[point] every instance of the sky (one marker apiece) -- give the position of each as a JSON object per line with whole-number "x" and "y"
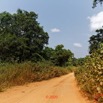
{"x": 68, "y": 22}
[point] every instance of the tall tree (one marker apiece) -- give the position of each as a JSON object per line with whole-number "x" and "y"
{"x": 95, "y": 40}
{"x": 21, "y": 36}
{"x": 61, "y": 56}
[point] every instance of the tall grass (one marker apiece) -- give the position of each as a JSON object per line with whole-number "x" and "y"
{"x": 19, "y": 74}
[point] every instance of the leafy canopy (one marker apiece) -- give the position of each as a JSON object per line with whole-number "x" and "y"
{"x": 21, "y": 36}
{"x": 95, "y": 41}
{"x": 58, "y": 56}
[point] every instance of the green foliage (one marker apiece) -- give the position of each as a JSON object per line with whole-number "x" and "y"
{"x": 78, "y": 61}
{"x": 95, "y": 2}
{"x": 95, "y": 40}
{"x": 23, "y": 39}
{"x": 90, "y": 76}
{"x": 48, "y": 53}
{"x": 61, "y": 56}
{"x": 21, "y": 36}
{"x": 58, "y": 56}
{"x": 81, "y": 61}
{"x": 19, "y": 74}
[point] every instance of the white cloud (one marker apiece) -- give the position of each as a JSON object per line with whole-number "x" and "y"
{"x": 96, "y": 21}
{"x": 77, "y": 45}
{"x": 55, "y": 30}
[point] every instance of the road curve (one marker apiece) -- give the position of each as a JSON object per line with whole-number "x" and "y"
{"x": 58, "y": 90}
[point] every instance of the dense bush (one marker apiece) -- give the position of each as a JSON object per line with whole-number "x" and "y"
{"x": 18, "y": 74}
{"x": 90, "y": 76}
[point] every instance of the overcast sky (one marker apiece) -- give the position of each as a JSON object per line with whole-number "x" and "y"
{"x": 67, "y": 22}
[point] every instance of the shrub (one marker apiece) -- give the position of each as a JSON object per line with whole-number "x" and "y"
{"x": 90, "y": 76}
{"x": 18, "y": 74}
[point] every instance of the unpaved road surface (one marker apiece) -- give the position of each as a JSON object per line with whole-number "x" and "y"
{"x": 58, "y": 90}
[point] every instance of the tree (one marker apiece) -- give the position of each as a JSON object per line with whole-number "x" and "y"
{"x": 61, "y": 56}
{"x": 48, "y": 53}
{"x": 95, "y": 2}
{"x": 78, "y": 61}
{"x": 95, "y": 40}
{"x": 75, "y": 61}
{"x": 58, "y": 56}
{"x": 81, "y": 61}
{"x": 21, "y": 36}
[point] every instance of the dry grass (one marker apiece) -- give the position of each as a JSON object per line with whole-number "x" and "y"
{"x": 19, "y": 74}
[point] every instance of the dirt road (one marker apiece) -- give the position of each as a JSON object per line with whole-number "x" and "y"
{"x": 58, "y": 90}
